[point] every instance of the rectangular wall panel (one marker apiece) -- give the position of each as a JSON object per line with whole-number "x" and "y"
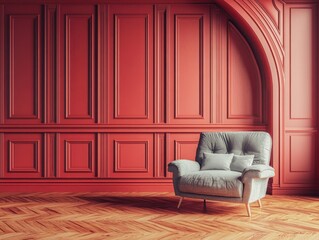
{"x": 301, "y": 91}
{"x": 23, "y": 68}
{"x": 2, "y": 79}
{"x": 244, "y": 86}
{"x": 300, "y": 158}
{"x": 77, "y": 156}
{"x": 131, "y": 59}
{"x": 23, "y": 155}
{"x": 189, "y": 64}
{"x": 301, "y": 73}
{"x": 131, "y": 48}
{"x": 188, "y": 79}
{"x": 131, "y": 155}
{"x": 77, "y": 64}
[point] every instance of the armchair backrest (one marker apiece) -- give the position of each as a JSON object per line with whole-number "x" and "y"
{"x": 240, "y": 143}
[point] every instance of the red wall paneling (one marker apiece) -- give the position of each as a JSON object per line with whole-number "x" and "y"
{"x": 130, "y": 29}
{"x": 77, "y": 155}
{"x": 23, "y": 155}
{"x": 2, "y": 91}
{"x": 160, "y": 60}
{"x": 301, "y": 91}
{"x": 299, "y": 165}
{"x": 23, "y": 58}
{"x": 50, "y": 155}
{"x": 76, "y": 57}
{"x": 50, "y": 65}
{"x": 160, "y": 155}
{"x": 188, "y": 52}
{"x": 131, "y": 155}
{"x": 244, "y": 84}
{"x": 111, "y": 93}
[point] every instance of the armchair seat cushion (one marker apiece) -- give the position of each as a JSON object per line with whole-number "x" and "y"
{"x": 212, "y": 182}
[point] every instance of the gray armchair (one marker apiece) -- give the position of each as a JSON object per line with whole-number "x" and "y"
{"x": 229, "y": 166}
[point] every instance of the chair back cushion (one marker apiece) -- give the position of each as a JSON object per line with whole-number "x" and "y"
{"x": 239, "y": 143}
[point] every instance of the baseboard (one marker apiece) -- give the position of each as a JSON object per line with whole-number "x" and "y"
{"x": 128, "y": 185}
{"x": 85, "y": 186}
{"x": 307, "y": 190}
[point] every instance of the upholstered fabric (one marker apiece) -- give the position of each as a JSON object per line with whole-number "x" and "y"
{"x": 212, "y": 182}
{"x": 257, "y": 171}
{"x": 241, "y": 162}
{"x": 234, "y": 186}
{"x": 212, "y": 161}
{"x": 183, "y": 166}
{"x": 239, "y": 143}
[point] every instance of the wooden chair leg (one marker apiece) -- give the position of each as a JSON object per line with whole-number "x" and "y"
{"x": 259, "y": 203}
{"x": 204, "y": 204}
{"x": 248, "y": 209}
{"x": 180, "y": 202}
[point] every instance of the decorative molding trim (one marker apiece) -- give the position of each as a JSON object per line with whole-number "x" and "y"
{"x": 78, "y": 166}
{"x": 118, "y": 114}
{"x": 160, "y": 58}
{"x": 2, "y": 156}
{"x": 68, "y": 90}
{"x": 305, "y": 171}
{"x": 58, "y": 65}
{"x": 160, "y": 152}
{"x": 117, "y": 157}
{"x": 102, "y": 64}
{"x": 216, "y": 69}
{"x": 50, "y": 46}
{"x": 37, "y": 72}
{"x": 2, "y": 59}
{"x": 270, "y": 53}
{"x": 122, "y": 163}
{"x": 119, "y": 128}
{"x": 274, "y": 18}
{"x": 11, "y": 156}
{"x": 232, "y": 31}
{"x": 310, "y": 95}
{"x": 49, "y": 165}
{"x": 58, "y": 161}
{"x": 102, "y": 151}
{"x": 177, "y": 112}
{"x": 68, "y": 160}
{"x": 263, "y": 19}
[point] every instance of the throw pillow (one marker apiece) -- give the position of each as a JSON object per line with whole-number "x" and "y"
{"x": 240, "y": 162}
{"x": 214, "y": 161}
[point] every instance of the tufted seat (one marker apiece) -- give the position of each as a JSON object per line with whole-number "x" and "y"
{"x": 239, "y": 143}
{"x": 246, "y": 186}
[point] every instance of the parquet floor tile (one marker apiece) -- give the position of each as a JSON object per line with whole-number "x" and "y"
{"x": 144, "y": 216}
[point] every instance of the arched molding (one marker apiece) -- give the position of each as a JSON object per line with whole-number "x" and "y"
{"x": 270, "y": 54}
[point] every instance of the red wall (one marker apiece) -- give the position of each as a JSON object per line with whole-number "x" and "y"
{"x": 102, "y": 96}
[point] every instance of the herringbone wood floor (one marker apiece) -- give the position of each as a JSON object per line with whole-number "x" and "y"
{"x": 152, "y": 216}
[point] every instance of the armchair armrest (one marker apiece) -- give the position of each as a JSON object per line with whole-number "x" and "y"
{"x": 182, "y": 167}
{"x": 257, "y": 171}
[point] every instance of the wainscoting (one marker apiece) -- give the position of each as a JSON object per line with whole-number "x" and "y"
{"x": 102, "y": 95}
